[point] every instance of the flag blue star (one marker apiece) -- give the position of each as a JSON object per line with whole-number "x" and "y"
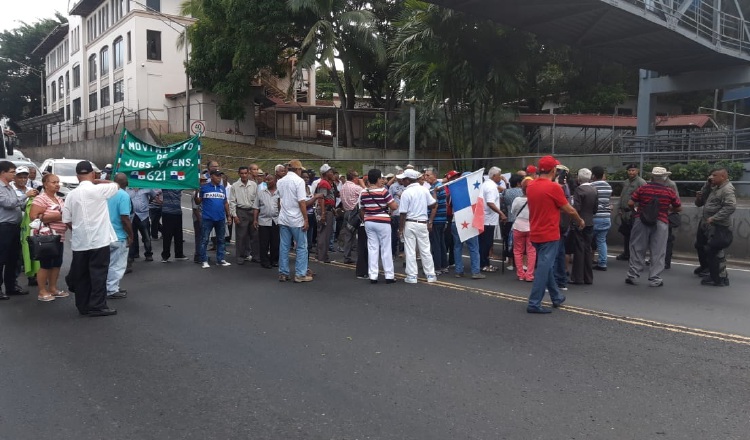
{"x": 476, "y": 185}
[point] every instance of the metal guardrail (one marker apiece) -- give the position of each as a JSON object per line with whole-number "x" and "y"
{"x": 728, "y": 32}
{"x": 711, "y": 142}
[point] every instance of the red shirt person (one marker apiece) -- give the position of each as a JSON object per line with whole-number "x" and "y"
{"x": 546, "y": 199}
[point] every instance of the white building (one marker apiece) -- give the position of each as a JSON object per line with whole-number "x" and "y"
{"x": 112, "y": 65}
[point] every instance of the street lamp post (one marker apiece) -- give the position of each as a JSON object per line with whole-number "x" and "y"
{"x": 36, "y": 72}
{"x": 187, "y": 76}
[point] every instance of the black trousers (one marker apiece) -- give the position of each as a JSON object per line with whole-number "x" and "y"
{"x": 172, "y": 230}
{"x": 268, "y": 236}
{"x": 582, "y": 272}
{"x": 155, "y": 218}
{"x": 144, "y": 228}
{"x": 88, "y": 278}
{"x": 486, "y": 240}
{"x": 10, "y": 247}
{"x": 709, "y": 257}
{"x": 362, "y": 269}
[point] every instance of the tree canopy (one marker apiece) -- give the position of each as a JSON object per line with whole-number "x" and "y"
{"x": 20, "y": 88}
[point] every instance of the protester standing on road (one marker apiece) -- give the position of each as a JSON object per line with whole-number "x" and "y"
{"x": 650, "y": 234}
{"x": 171, "y": 218}
{"x": 197, "y": 225}
{"x": 492, "y": 217}
{"x": 603, "y": 216}
{"x": 522, "y": 245}
{"x": 141, "y": 222}
{"x": 506, "y": 202}
{"x": 293, "y": 223}
{"x": 10, "y": 229}
{"x": 87, "y": 215}
{"x": 633, "y": 182}
{"x": 215, "y": 213}
{"x": 326, "y": 204}
{"x": 375, "y": 201}
{"x": 437, "y": 233}
{"x": 119, "y": 216}
{"x": 266, "y": 222}
{"x": 415, "y": 224}
{"x": 241, "y": 201}
{"x": 47, "y": 207}
{"x": 714, "y": 236}
{"x": 546, "y": 199}
{"x": 585, "y": 202}
{"x": 350, "y": 192}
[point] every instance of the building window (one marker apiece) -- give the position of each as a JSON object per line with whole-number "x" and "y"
{"x": 92, "y": 68}
{"x": 154, "y": 5}
{"x": 61, "y": 87}
{"x": 53, "y": 92}
{"x": 104, "y": 97}
{"x": 93, "y": 102}
{"x": 119, "y": 91}
{"x": 76, "y": 110}
{"x": 67, "y": 83}
{"x": 104, "y": 61}
{"x": 67, "y": 112}
{"x": 76, "y": 76}
{"x": 153, "y": 45}
{"x": 117, "y": 53}
{"x": 128, "y": 48}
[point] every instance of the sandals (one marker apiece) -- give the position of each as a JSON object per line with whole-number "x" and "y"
{"x": 61, "y": 294}
{"x": 45, "y": 298}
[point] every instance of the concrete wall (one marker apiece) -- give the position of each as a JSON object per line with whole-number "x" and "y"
{"x": 685, "y": 234}
{"x": 364, "y": 154}
{"x": 101, "y": 151}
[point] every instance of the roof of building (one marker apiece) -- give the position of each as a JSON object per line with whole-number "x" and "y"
{"x": 610, "y": 121}
{"x": 51, "y": 40}
{"x": 85, "y": 7}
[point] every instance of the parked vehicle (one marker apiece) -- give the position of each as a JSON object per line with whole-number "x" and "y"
{"x": 65, "y": 169}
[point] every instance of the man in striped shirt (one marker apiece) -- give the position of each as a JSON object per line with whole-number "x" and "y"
{"x": 437, "y": 233}
{"x": 603, "y": 216}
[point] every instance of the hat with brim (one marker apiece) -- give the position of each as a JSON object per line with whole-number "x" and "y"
{"x": 409, "y": 174}
{"x": 22, "y": 170}
{"x": 660, "y": 171}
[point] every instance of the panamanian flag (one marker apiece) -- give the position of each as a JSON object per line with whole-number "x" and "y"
{"x": 468, "y": 204}
{"x": 177, "y": 175}
{"x": 140, "y": 175}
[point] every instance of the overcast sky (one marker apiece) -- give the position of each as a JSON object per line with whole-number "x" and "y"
{"x": 29, "y": 11}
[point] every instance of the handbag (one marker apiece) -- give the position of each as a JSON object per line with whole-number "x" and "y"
{"x": 44, "y": 247}
{"x": 719, "y": 237}
{"x": 354, "y": 220}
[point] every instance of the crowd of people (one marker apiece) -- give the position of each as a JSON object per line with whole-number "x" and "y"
{"x": 554, "y": 226}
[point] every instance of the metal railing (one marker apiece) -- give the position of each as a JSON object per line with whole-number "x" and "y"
{"x": 690, "y": 144}
{"x": 726, "y": 32}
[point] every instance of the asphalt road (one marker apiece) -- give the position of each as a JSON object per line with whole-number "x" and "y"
{"x": 231, "y": 353}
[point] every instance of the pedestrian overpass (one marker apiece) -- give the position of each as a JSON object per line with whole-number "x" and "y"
{"x": 680, "y": 45}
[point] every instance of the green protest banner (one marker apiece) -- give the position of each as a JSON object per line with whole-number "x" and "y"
{"x": 175, "y": 166}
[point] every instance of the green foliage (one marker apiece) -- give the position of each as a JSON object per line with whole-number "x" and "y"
{"x": 233, "y": 41}
{"x": 20, "y": 88}
{"x": 697, "y": 171}
{"x": 324, "y": 87}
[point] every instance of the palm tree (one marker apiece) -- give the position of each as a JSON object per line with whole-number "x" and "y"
{"x": 466, "y": 67}
{"x": 343, "y": 31}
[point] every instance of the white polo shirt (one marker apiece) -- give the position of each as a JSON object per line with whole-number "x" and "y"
{"x": 87, "y": 211}
{"x": 490, "y": 194}
{"x": 415, "y": 202}
{"x": 292, "y": 190}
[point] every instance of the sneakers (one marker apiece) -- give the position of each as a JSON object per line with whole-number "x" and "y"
{"x": 602, "y": 268}
{"x": 459, "y": 275}
{"x": 511, "y": 267}
{"x": 622, "y": 257}
{"x": 182, "y": 258}
{"x": 165, "y": 260}
{"x": 363, "y": 277}
{"x": 655, "y": 283}
{"x": 411, "y": 280}
{"x": 478, "y": 276}
{"x": 431, "y": 279}
{"x": 631, "y": 281}
{"x": 304, "y": 279}
{"x": 224, "y": 263}
{"x": 205, "y": 265}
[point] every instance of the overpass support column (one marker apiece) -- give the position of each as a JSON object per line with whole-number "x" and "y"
{"x": 646, "y": 104}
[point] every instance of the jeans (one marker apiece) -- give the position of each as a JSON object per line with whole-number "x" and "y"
{"x": 287, "y": 234}
{"x": 118, "y": 261}
{"x": 546, "y": 254}
{"x": 458, "y": 247}
{"x": 144, "y": 228}
{"x": 395, "y": 241}
{"x": 218, "y": 226}
{"x": 437, "y": 246}
{"x": 601, "y": 228}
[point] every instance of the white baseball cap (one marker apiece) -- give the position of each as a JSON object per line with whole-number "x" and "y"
{"x": 409, "y": 174}
{"x": 325, "y": 168}
{"x": 22, "y": 169}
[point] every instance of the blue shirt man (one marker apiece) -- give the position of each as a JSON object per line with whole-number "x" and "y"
{"x": 215, "y": 210}
{"x": 119, "y": 215}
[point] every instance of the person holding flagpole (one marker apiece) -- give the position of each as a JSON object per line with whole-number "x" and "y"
{"x": 546, "y": 199}
{"x": 463, "y": 194}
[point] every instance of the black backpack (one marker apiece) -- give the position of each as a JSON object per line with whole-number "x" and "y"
{"x": 649, "y": 212}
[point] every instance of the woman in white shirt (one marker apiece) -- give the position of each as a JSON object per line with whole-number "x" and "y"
{"x": 522, "y": 238}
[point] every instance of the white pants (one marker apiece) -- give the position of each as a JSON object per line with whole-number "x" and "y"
{"x": 379, "y": 246}
{"x": 417, "y": 235}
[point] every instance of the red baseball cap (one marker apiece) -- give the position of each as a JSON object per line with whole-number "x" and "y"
{"x": 451, "y": 174}
{"x": 547, "y": 164}
{"x": 531, "y": 169}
